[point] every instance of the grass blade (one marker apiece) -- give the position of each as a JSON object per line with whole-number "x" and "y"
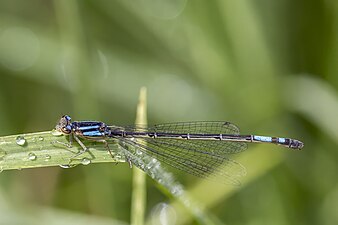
{"x": 139, "y": 177}
{"x": 34, "y": 150}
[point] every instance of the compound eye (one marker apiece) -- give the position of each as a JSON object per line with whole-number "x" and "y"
{"x": 67, "y": 118}
{"x": 67, "y": 129}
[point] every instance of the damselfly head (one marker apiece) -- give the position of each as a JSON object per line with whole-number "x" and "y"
{"x": 64, "y": 125}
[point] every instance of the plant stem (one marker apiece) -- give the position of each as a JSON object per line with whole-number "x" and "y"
{"x": 138, "y": 204}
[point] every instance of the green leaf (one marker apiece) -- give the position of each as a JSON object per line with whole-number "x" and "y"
{"x": 42, "y": 149}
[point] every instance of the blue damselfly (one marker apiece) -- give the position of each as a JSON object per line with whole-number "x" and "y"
{"x": 198, "y": 148}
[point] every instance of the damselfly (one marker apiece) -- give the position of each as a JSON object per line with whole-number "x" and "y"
{"x": 198, "y": 148}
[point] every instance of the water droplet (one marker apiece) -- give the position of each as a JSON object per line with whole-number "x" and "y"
{"x": 138, "y": 152}
{"x": 40, "y": 138}
{"x": 163, "y": 213}
{"x": 85, "y": 161}
{"x": 47, "y": 157}
{"x": 20, "y": 140}
{"x": 153, "y": 164}
{"x": 31, "y": 156}
{"x": 176, "y": 190}
{"x": 56, "y": 133}
{"x": 68, "y": 166}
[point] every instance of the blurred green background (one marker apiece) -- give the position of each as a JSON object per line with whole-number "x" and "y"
{"x": 271, "y": 67}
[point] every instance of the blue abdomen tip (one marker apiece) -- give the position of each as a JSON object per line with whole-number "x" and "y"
{"x": 262, "y": 138}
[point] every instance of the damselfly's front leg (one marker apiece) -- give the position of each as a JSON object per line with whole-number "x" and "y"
{"x": 68, "y": 145}
{"x": 84, "y": 148}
